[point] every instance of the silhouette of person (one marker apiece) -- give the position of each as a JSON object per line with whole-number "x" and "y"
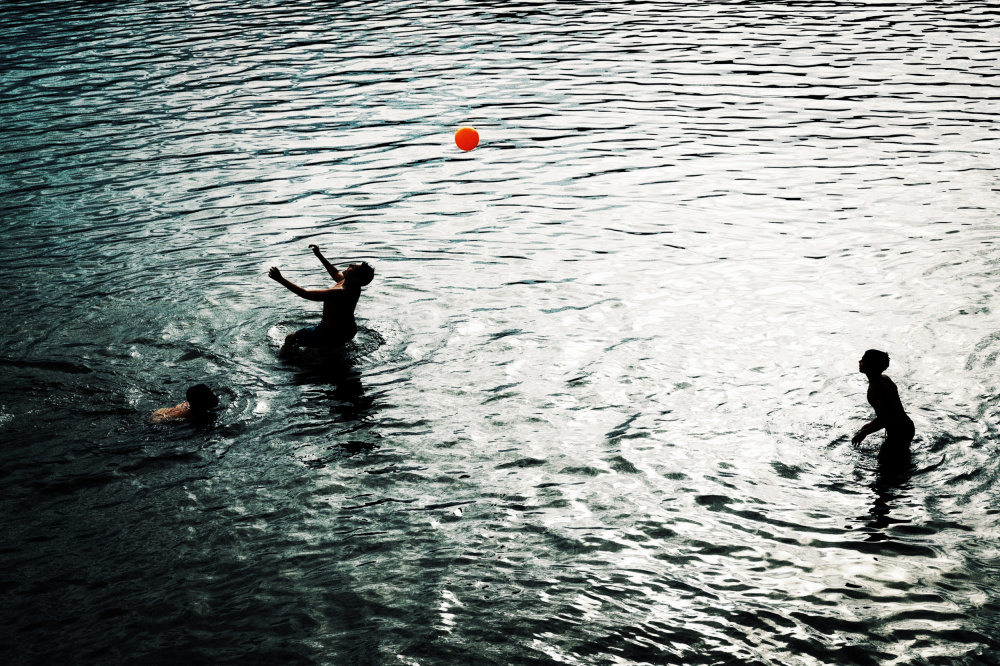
{"x": 338, "y": 325}
{"x": 889, "y": 414}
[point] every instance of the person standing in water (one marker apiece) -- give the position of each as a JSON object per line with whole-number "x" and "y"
{"x": 889, "y": 414}
{"x": 338, "y": 325}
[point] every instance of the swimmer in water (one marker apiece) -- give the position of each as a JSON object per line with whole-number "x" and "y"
{"x": 338, "y": 325}
{"x": 200, "y": 403}
{"x": 889, "y": 414}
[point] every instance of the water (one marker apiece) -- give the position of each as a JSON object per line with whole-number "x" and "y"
{"x": 600, "y": 407}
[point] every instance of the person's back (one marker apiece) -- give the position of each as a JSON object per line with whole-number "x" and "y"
{"x": 338, "y": 310}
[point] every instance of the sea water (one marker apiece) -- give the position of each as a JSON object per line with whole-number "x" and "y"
{"x": 600, "y": 407}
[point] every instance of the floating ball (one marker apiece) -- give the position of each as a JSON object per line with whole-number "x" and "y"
{"x": 466, "y": 138}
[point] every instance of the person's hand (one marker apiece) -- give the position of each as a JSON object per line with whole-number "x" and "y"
{"x": 315, "y": 249}
{"x": 857, "y": 439}
{"x": 274, "y": 274}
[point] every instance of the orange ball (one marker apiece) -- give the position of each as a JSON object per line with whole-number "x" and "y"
{"x": 466, "y": 138}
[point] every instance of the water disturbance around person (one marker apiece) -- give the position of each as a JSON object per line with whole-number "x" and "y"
{"x": 338, "y": 325}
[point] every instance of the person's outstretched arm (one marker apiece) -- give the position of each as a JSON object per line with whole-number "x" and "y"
{"x": 867, "y": 429}
{"x": 330, "y": 268}
{"x": 308, "y": 294}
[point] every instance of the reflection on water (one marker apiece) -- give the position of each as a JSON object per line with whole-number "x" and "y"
{"x": 333, "y": 379}
{"x": 600, "y": 407}
{"x": 890, "y": 488}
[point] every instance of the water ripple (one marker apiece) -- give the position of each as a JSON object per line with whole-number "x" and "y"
{"x": 600, "y": 405}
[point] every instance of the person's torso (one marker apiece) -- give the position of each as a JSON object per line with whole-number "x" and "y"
{"x": 338, "y": 312}
{"x": 884, "y": 399}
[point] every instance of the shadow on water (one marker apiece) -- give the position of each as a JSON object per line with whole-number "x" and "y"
{"x": 891, "y": 486}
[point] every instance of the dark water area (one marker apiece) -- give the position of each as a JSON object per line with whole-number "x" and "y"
{"x": 600, "y": 407}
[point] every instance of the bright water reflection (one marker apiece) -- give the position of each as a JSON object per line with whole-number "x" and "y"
{"x": 600, "y": 409}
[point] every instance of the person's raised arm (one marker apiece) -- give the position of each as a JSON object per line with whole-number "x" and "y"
{"x": 310, "y": 295}
{"x": 330, "y": 268}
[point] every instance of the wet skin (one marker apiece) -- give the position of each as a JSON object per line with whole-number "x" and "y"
{"x": 175, "y": 413}
{"x": 182, "y": 413}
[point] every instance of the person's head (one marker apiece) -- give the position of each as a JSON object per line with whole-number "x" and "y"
{"x": 201, "y": 398}
{"x": 874, "y": 362}
{"x": 359, "y": 274}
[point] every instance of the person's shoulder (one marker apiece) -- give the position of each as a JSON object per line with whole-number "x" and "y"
{"x": 170, "y": 413}
{"x": 350, "y": 288}
{"x": 888, "y": 382}
{"x": 332, "y": 292}
{"x": 162, "y": 415}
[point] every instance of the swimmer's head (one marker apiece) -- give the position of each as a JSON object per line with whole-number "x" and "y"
{"x": 359, "y": 274}
{"x": 874, "y": 362}
{"x": 201, "y": 398}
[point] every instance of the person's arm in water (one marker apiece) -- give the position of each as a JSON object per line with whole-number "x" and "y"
{"x": 872, "y": 426}
{"x": 330, "y": 268}
{"x": 308, "y": 294}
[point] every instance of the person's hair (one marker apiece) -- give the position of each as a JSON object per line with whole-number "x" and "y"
{"x": 365, "y": 274}
{"x": 201, "y": 398}
{"x": 876, "y": 361}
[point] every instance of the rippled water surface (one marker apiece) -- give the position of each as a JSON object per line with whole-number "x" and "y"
{"x": 600, "y": 408}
